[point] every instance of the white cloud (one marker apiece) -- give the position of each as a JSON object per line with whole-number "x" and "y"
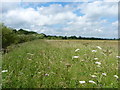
{"x": 62, "y": 20}
{"x": 98, "y": 9}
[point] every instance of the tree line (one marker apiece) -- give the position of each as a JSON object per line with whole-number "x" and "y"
{"x": 12, "y": 36}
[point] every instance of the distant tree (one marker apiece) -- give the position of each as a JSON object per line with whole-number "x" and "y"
{"x": 14, "y": 30}
{"x": 21, "y": 31}
{"x": 79, "y": 37}
{"x": 41, "y": 36}
{"x": 72, "y": 37}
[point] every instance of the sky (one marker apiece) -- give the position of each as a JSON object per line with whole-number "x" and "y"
{"x": 87, "y": 19}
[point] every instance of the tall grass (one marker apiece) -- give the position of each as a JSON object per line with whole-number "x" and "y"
{"x": 49, "y": 64}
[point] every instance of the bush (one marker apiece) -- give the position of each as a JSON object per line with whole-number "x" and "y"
{"x": 8, "y": 37}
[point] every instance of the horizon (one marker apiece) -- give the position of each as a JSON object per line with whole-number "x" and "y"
{"x": 63, "y": 18}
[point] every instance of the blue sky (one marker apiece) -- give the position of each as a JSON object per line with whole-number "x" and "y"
{"x": 93, "y": 19}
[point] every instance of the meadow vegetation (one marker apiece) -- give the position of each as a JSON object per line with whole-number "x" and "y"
{"x": 61, "y": 64}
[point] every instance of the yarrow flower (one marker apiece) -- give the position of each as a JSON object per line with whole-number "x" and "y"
{"x": 116, "y": 76}
{"x": 81, "y": 82}
{"x": 104, "y": 74}
{"x": 98, "y": 47}
{"x": 117, "y": 56}
{"x": 95, "y": 58}
{"x": 99, "y": 63}
{"x": 4, "y": 70}
{"x": 77, "y": 50}
{"x": 46, "y": 74}
{"x": 75, "y": 57}
{"x": 94, "y": 50}
{"x": 90, "y": 81}
{"x": 30, "y": 54}
{"x": 93, "y": 76}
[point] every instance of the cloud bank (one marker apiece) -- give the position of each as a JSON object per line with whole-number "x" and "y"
{"x": 95, "y": 19}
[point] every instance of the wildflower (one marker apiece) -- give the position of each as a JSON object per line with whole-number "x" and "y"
{"x": 116, "y": 76}
{"x": 95, "y": 58}
{"x": 82, "y": 60}
{"x": 75, "y": 57}
{"x": 99, "y": 47}
{"x": 104, "y": 74}
{"x": 68, "y": 65}
{"x": 39, "y": 72}
{"x": 117, "y": 56}
{"x": 99, "y": 63}
{"x": 30, "y": 54}
{"x": 81, "y": 82}
{"x": 29, "y": 58}
{"x": 77, "y": 50}
{"x": 93, "y": 76}
{"x": 4, "y": 70}
{"x": 60, "y": 61}
{"x": 94, "y": 50}
{"x": 46, "y": 74}
{"x": 90, "y": 81}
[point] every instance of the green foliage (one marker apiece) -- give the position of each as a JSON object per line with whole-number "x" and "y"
{"x": 8, "y": 36}
{"x": 12, "y": 36}
{"x": 41, "y": 36}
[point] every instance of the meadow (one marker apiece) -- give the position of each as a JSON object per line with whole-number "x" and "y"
{"x": 61, "y": 64}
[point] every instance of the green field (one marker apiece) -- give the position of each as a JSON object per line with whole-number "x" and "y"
{"x": 55, "y": 64}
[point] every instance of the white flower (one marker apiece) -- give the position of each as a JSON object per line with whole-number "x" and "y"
{"x": 99, "y": 63}
{"x": 75, "y": 57}
{"x": 104, "y": 74}
{"x": 81, "y": 82}
{"x": 30, "y": 54}
{"x": 98, "y": 47}
{"x": 93, "y": 76}
{"x": 116, "y": 76}
{"x": 90, "y": 81}
{"x": 95, "y": 58}
{"x": 117, "y": 56}
{"x": 46, "y": 74}
{"x": 77, "y": 50}
{"x": 94, "y": 50}
{"x": 4, "y": 70}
